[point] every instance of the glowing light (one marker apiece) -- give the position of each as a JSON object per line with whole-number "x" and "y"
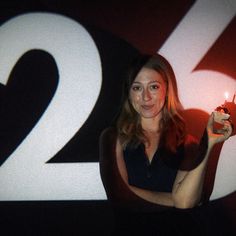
{"x": 226, "y": 95}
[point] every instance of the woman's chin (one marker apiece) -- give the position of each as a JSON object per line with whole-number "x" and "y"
{"x": 147, "y": 115}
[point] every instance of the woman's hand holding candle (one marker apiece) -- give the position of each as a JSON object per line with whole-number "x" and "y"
{"x": 222, "y": 133}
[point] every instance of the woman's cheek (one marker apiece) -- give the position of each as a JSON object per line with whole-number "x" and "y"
{"x": 135, "y": 102}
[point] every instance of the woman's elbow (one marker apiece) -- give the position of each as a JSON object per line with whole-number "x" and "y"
{"x": 184, "y": 202}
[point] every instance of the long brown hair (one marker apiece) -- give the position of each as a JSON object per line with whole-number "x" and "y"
{"x": 172, "y": 125}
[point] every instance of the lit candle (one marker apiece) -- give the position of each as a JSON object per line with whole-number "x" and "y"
{"x": 226, "y": 96}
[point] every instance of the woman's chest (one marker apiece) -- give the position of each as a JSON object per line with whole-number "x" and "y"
{"x": 153, "y": 175}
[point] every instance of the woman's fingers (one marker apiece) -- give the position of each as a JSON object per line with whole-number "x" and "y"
{"x": 218, "y": 135}
{"x": 227, "y": 128}
{"x": 224, "y": 133}
{"x": 210, "y": 121}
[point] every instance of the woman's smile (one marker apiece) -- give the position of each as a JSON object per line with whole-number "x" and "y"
{"x": 147, "y": 107}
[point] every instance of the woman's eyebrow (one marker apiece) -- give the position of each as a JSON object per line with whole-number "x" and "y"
{"x": 150, "y": 82}
{"x": 155, "y": 81}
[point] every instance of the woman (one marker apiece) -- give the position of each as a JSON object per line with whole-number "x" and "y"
{"x": 152, "y": 146}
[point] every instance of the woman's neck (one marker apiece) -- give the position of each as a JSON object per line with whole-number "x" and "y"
{"x": 151, "y": 131}
{"x": 151, "y": 125}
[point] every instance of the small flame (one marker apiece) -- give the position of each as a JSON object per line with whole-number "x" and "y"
{"x": 226, "y": 95}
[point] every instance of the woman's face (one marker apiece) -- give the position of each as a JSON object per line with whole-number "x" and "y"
{"x": 147, "y": 93}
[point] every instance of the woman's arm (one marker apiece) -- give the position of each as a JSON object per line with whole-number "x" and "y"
{"x": 187, "y": 189}
{"x": 160, "y": 198}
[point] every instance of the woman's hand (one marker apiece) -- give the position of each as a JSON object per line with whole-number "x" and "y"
{"x": 217, "y": 135}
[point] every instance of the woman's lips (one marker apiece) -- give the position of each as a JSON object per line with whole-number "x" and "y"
{"x": 147, "y": 107}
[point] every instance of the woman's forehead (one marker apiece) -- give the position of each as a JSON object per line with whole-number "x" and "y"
{"x": 147, "y": 75}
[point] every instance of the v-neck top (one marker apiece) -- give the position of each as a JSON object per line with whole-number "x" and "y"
{"x": 157, "y": 175}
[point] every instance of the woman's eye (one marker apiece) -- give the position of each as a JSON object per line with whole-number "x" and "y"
{"x": 136, "y": 88}
{"x": 154, "y": 87}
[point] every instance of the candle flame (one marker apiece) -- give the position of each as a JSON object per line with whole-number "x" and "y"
{"x": 226, "y": 95}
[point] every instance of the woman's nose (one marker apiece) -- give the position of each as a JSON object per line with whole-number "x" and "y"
{"x": 146, "y": 95}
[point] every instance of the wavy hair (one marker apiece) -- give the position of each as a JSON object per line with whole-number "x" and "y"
{"x": 172, "y": 124}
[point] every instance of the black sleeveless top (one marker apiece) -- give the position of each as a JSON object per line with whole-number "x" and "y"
{"x": 157, "y": 175}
